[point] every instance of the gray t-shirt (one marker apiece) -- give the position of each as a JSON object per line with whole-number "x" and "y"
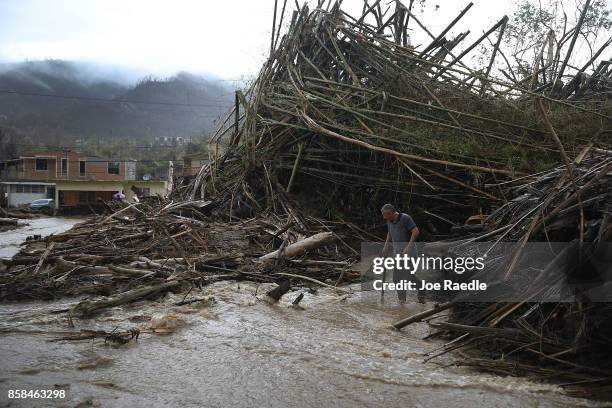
{"x": 400, "y": 231}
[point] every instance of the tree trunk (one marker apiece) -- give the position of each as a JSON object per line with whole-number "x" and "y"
{"x": 298, "y": 248}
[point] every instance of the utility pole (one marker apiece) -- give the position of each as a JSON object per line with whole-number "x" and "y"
{"x": 62, "y": 165}
{"x": 237, "y": 116}
{"x": 273, "y": 28}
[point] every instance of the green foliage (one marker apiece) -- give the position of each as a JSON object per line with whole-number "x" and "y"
{"x": 533, "y": 19}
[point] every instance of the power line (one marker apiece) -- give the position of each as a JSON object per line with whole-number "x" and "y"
{"x": 76, "y": 162}
{"x": 97, "y": 99}
{"x": 61, "y": 147}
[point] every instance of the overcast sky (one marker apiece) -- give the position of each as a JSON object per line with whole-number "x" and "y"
{"x": 228, "y": 39}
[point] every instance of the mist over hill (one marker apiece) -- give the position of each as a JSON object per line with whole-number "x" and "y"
{"x": 101, "y": 101}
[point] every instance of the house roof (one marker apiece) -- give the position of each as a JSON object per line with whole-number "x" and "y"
{"x": 106, "y": 159}
{"x": 49, "y": 155}
{"x": 43, "y": 154}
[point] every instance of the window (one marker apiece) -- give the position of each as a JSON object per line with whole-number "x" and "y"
{"x": 64, "y": 166}
{"x": 23, "y": 188}
{"x": 38, "y": 189}
{"x": 113, "y": 167}
{"x": 41, "y": 164}
{"x": 87, "y": 196}
{"x": 81, "y": 168}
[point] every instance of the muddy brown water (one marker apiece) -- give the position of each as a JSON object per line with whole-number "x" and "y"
{"x": 241, "y": 351}
{"x": 10, "y": 240}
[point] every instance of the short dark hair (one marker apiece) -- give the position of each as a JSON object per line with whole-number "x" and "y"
{"x": 387, "y": 208}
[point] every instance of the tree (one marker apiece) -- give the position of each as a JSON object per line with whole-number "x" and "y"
{"x": 544, "y": 29}
{"x": 8, "y": 146}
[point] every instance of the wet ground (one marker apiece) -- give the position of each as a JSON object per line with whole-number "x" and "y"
{"x": 241, "y": 351}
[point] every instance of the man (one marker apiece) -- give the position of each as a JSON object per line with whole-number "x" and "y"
{"x": 402, "y": 234}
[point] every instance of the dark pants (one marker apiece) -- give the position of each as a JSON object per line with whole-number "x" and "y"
{"x": 403, "y": 274}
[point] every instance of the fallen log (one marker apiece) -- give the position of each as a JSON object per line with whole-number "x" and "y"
{"x": 298, "y": 248}
{"x": 280, "y": 290}
{"x": 8, "y": 222}
{"x": 337, "y": 289}
{"x": 480, "y": 330}
{"x": 420, "y": 316}
{"x": 140, "y": 273}
{"x": 87, "y": 308}
{"x": 43, "y": 257}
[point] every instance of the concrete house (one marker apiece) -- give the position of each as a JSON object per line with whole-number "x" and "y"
{"x": 192, "y": 163}
{"x": 71, "y": 178}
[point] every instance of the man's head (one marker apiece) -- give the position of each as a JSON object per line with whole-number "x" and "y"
{"x": 388, "y": 212}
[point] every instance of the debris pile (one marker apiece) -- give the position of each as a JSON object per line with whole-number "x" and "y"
{"x": 567, "y": 341}
{"x": 10, "y": 219}
{"x": 146, "y": 249}
{"x": 18, "y": 213}
{"x": 346, "y": 114}
{"x": 8, "y": 224}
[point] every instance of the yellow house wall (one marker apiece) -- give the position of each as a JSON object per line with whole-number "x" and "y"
{"x": 156, "y": 187}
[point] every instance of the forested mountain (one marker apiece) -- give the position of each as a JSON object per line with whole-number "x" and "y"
{"x": 101, "y": 102}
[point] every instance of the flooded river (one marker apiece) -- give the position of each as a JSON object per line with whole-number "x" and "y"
{"x": 241, "y": 351}
{"x": 10, "y": 240}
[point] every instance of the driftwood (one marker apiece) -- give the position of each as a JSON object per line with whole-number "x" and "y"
{"x": 8, "y": 222}
{"x": 423, "y": 315}
{"x": 43, "y": 257}
{"x": 165, "y": 240}
{"x": 117, "y": 337}
{"x": 278, "y": 292}
{"x": 318, "y": 282}
{"x": 298, "y": 299}
{"x": 480, "y": 330}
{"x": 87, "y": 308}
{"x": 570, "y": 203}
{"x": 296, "y": 249}
{"x": 19, "y": 213}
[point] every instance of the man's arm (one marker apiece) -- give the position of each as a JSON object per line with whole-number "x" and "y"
{"x": 385, "y": 250}
{"x": 414, "y": 234}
